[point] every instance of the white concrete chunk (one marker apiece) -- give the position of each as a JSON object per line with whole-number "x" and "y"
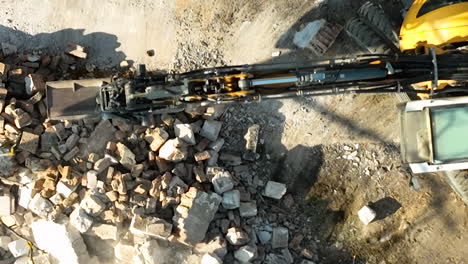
{"x": 274, "y": 190}
{"x": 61, "y": 241}
{"x": 80, "y": 220}
{"x": 185, "y": 133}
{"x": 41, "y": 206}
{"x": 18, "y": 248}
{"x": 366, "y": 214}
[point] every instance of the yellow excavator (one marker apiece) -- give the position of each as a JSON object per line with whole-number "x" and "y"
{"x": 427, "y": 61}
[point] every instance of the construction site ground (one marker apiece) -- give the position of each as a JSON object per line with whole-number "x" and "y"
{"x": 335, "y": 153}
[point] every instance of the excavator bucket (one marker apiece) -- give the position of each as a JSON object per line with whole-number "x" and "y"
{"x": 74, "y": 99}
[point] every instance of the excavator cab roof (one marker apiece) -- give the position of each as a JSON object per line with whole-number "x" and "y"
{"x": 432, "y": 132}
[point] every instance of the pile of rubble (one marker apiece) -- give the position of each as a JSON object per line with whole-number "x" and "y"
{"x": 140, "y": 193}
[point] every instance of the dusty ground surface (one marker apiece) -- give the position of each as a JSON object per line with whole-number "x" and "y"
{"x": 303, "y": 140}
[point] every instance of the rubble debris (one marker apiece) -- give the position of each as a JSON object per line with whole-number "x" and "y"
{"x": 245, "y": 254}
{"x": 151, "y": 226}
{"x": 40, "y": 206}
{"x": 34, "y": 83}
{"x": 8, "y": 49}
{"x": 81, "y": 220}
{"x": 237, "y": 236}
{"x": 7, "y": 202}
{"x": 274, "y": 190}
{"x": 211, "y": 129}
{"x": 248, "y": 209}
{"x": 222, "y": 182}
{"x": 92, "y": 205}
{"x": 71, "y": 154}
{"x": 201, "y": 156}
{"x": 264, "y": 236}
{"x": 231, "y": 199}
{"x": 124, "y": 252}
{"x": 126, "y": 156}
{"x": 29, "y": 142}
{"x": 156, "y": 138}
{"x": 251, "y": 138}
{"x": 76, "y": 51}
{"x": 18, "y": 248}
{"x": 211, "y": 259}
{"x": 173, "y": 150}
{"x": 280, "y": 237}
{"x": 105, "y": 231}
{"x": 103, "y": 133}
{"x": 185, "y": 133}
{"x": 366, "y": 214}
{"x": 61, "y": 241}
{"x": 194, "y": 214}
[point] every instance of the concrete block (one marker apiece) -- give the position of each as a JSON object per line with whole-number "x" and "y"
{"x": 103, "y": 133}
{"x": 29, "y": 142}
{"x": 222, "y": 182}
{"x": 72, "y": 141}
{"x": 61, "y": 241}
{"x": 126, "y": 156}
{"x": 248, "y": 209}
{"x": 81, "y": 220}
{"x": 274, "y": 190}
{"x": 185, "y": 133}
{"x": 231, "y": 199}
{"x": 40, "y": 206}
{"x": 71, "y": 154}
{"x": 366, "y": 215}
{"x": 194, "y": 214}
{"x": 211, "y": 129}
{"x": 92, "y": 205}
{"x": 280, "y": 237}
{"x": 217, "y": 145}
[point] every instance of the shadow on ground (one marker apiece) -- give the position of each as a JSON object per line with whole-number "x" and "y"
{"x": 102, "y": 47}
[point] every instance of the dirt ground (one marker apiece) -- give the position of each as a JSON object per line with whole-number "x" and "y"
{"x": 336, "y": 153}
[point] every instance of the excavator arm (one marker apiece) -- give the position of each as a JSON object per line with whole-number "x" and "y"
{"x": 143, "y": 94}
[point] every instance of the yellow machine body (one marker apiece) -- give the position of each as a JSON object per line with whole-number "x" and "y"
{"x": 431, "y": 23}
